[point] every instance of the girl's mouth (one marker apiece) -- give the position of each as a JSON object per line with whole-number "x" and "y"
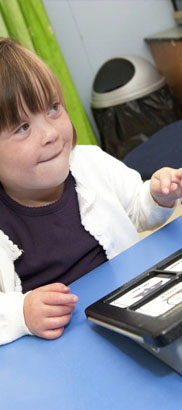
{"x": 51, "y": 158}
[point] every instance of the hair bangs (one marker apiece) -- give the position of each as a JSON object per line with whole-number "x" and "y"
{"x": 26, "y": 83}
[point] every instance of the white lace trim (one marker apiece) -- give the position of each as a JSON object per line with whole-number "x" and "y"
{"x": 13, "y": 251}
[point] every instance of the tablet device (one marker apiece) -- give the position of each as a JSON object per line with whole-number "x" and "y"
{"x": 148, "y": 308}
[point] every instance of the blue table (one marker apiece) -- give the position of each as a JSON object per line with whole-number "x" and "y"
{"x": 90, "y": 367}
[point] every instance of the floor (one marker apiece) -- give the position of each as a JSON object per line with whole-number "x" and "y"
{"x": 178, "y": 212}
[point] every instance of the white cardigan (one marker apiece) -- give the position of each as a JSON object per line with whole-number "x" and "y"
{"x": 114, "y": 204}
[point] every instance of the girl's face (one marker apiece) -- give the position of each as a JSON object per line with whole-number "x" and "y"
{"x": 34, "y": 156}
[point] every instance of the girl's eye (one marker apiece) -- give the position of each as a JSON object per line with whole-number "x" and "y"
{"x": 55, "y": 108}
{"x": 24, "y": 127}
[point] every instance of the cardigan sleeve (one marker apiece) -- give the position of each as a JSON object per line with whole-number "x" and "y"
{"x": 12, "y": 324}
{"x": 134, "y": 195}
{"x": 9, "y": 252}
{"x": 98, "y": 173}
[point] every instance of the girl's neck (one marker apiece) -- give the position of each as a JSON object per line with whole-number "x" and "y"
{"x": 37, "y": 198}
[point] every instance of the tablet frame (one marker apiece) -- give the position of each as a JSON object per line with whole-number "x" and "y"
{"x": 158, "y": 331}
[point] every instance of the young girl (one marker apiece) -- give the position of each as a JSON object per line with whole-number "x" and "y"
{"x": 64, "y": 209}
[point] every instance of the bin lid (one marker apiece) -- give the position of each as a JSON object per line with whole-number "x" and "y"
{"x": 123, "y": 79}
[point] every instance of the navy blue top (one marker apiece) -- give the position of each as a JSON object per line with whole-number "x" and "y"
{"x": 56, "y": 247}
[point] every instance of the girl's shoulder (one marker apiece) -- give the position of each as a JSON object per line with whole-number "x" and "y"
{"x": 93, "y": 156}
{"x": 85, "y": 154}
{"x": 86, "y": 150}
{"x": 90, "y": 161}
{"x": 90, "y": 154}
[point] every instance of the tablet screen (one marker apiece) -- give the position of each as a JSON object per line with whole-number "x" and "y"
{"x": 175, "y": 266}
{"x": 138, "y": 292}
{"x": 163, "y": 303}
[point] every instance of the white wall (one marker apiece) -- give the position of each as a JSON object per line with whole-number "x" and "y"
{"x": 90, "y": 32}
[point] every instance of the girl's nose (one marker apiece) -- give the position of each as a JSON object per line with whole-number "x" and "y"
{"x": 49, "y": 133}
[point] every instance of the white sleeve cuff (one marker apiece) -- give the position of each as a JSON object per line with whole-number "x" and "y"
{"x": 12, "y": 323}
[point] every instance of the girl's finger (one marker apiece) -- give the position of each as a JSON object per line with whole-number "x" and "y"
{"x": 59, "y": 310}
{"x": 53, "y": 333}
{"x": 54, "y": 287}
{"x": 59, "y": 298}
{"x": 57, "y": 322}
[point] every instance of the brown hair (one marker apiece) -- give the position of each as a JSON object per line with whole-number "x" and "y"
{"x": 24, "y": 77}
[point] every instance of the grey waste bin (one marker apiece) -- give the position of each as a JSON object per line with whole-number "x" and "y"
{"x": 130, "y": 101}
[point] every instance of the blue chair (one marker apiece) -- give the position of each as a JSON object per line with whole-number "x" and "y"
{"x": 163, "y": 149}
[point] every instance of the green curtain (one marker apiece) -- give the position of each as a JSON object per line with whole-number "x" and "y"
{"x": 27, "y": 22}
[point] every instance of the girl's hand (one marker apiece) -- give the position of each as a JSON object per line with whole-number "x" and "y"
{"x": 48, "y": 309}
{"x": 166, "y": 186}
